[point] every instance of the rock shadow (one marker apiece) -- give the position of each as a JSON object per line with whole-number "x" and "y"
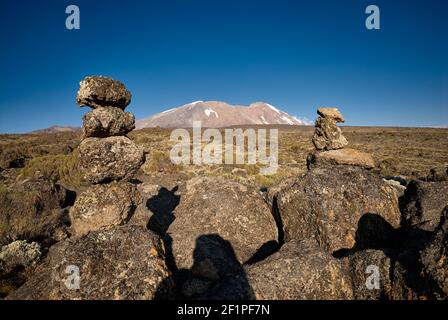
{"x": 216, "y": 273}
{"x": 162, "y": 206}
{"x": 400, "y": 245}
{"x": 272, "y": 246}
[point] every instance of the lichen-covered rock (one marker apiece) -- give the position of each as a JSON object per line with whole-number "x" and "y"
{"x": 17, "y": 262}
{"x": 99, "y": 91}
{"x": 423, "y": 203}
{"x": 370, "y": 274}
{"x": 434, "y": 258}
{"x": 327, "y": 135}
{"x": 32, "y": 210}
{"x": 345, "y": 156}
{"x": 233, "y": 211}
{"x": 107, "y": 122}
{"x": 300, "y": 270}
{"x": 272, "y": 191}
{"x": 103, "y": 206}
{"x": 109, "y": 159}
{"x": 339, "y": 206}
{"x": 18, "y": 254}
{"x": 124, "y": 263}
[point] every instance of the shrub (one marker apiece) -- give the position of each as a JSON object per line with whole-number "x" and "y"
{"x": 61, "y": 168}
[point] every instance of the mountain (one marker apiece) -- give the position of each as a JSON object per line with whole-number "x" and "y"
{"x": 56, "y": 129}
{"x": 216, "y": 114}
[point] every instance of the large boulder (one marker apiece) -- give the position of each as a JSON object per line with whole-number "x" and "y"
{"x": 103, "y": 206}
{"x": 109, "y": 159}
{"x": 345, "y": 156}
{"x": 32, "y": 210}
{"x": 233, "y": 211}
{"x": 339, "y": 206}
{"x": 99, "y": 91}
{"x": 423, "y": 203}
{"x": 300, "y": 270}
{"x": 106, "y": 122}
{"x": 124, "y": 263}
{"x": 327, "y": 135}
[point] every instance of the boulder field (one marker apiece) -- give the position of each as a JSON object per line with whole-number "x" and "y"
{"x": 337, "y": 231}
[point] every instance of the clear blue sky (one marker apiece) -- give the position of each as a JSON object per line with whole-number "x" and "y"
{"x": 296, "y": 55}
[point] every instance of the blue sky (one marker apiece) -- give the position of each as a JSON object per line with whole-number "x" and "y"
{"x": 296, "y": 55}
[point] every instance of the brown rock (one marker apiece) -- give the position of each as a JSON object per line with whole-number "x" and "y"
{"x": 370, "y": 274}
{"x": 300, "y": 270}
{"x": 18, "y": 254}
{"x": 99, "y": 91}
{"x": 423, "y": 203}
{"x": 327, "y": 135}
{"x": 124, "y": 263}
{"x": 340, "y": 206}
{"x": 228, "y": 209}
{"x": 345, "y": 156}
{"x": 103, "y": 206}
{"x": 107, "y": 122}
{"x": 434, "y": 259}
{"x": 331, "y": 114}
{"x": 109, "y": 159}
{"x": 17, "y": 262}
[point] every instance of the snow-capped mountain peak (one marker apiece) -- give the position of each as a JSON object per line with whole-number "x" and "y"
{"x": 217, "y": 114}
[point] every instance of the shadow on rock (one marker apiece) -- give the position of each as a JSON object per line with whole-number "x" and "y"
{"x": 401, "y": 246}
{"x": 270, "y": 247}
{"x": 162, "y": 206}
{"x": 216, "y": 273}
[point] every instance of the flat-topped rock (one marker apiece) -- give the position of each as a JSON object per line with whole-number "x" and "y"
{"x": 331, "y": 113}
{"x": 340, "y": 206}
{"x": 345, "y": 156}
{"x": 99, "y": 91}
{"x": 107, "y": 122}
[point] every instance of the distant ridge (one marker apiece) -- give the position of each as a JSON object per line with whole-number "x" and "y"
{"x": 56, "y": 129}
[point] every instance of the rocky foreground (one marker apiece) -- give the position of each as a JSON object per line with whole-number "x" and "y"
{"x": 318, "y": 235}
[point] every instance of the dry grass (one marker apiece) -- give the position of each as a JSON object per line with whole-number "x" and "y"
{"x": 411, "y": 152}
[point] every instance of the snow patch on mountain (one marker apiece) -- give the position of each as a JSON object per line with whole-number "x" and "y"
{"x": 210, "y": 111}
{"x": 273, "y": 108}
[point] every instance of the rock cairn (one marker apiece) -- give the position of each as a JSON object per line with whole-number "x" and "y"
{"x": 330, "y": 142}
{"x": 328, "y": 136}
{"x": 107, "y": 157}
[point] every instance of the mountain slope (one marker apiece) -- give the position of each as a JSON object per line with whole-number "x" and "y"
{"x": 56, "y": 129}
{"x": 216, "y": 114}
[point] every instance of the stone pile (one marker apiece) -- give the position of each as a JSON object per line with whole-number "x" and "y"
{"x": 107, "y": 157}
{"x": 328, "y": 136}
{"x": 330, "y": 142}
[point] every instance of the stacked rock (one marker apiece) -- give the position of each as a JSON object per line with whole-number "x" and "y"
{"x": 328, "y": 136}
{"x": 330, "y": 142}
{"x": 107, "y": 157}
